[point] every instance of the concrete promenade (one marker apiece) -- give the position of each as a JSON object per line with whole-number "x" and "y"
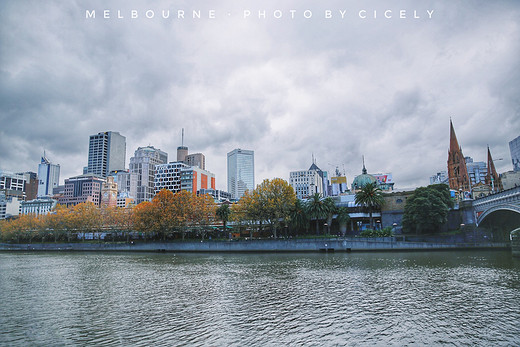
{"x": 280, "y": 245}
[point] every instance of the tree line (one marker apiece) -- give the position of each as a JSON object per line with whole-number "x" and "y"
{"x": 271, "y": 209}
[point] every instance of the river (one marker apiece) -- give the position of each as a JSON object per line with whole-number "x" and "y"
{"x": 336, "y": 299}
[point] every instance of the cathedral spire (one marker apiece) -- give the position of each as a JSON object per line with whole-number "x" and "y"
{"x": 454, "y": 144}
{"x": 364, "y": 171}
{"x": 457, "y": 171}
{"x": 492, "y": 178}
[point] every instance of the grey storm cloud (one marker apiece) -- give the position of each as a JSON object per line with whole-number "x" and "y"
{"x": 286, "y": 88}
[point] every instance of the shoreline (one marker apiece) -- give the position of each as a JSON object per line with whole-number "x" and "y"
{"x": 383, "y": 244}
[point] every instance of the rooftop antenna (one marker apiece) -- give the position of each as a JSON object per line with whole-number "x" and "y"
{"x": 182, "y": 137}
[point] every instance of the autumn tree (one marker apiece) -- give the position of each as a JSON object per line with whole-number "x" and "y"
{"x": 243, "y": 213}
{"x": 143, "y": 218}
{"x": 271, "y": 202}
{"x": 86, "y": 218}
{"x": 59, "y": 221}
{"x": 203, "y": 213}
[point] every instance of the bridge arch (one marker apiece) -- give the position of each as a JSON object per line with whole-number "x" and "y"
{"x": 501, "y": 207}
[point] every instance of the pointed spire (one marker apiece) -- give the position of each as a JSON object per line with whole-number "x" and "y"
{"x": 457, "y": 171}
{"x": 364, "y": 171}
{"x": 454, "y": 144}
{"x": 492, "y": 177}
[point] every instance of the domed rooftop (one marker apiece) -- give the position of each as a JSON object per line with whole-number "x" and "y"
{"x": 363, "y": 179}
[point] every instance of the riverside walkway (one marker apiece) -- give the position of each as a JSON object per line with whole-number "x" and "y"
{"x": 262, "y": 245}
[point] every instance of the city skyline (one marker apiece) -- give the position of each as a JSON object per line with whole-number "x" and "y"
{"x": 287, "y": 89}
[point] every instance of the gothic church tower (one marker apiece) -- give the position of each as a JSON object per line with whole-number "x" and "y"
{"x": 492, "y": 178}
{"x": 457, "y": 171}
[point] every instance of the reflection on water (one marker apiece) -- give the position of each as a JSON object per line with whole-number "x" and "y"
{"x": 459, "y": 298}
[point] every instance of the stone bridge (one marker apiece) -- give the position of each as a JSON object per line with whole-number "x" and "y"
{"x": 503, "y": 207}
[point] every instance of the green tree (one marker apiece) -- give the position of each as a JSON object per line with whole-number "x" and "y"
{"x": 330, "y": 208}
{"x": 223, "y": 212}
{"x": 274, "y": 200}
{"x": 298, "y": 216}
{"x": 427, "y": 209}
{"x": 371, "y": 197}
{"x": 343, "y": 218}
{"x": 318, "y": 209}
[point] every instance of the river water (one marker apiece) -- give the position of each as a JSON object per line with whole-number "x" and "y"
{"x": 355, "y": 299}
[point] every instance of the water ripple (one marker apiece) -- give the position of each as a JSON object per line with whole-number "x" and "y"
{"x": 395, "y": 299}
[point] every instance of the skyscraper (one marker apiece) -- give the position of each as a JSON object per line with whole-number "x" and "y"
{"x": 106, "y": 153}
{"x": 143, "y": 164}
{"x": 514, "y": 147}
{"x": 196, "y": 159}
{"x": 240, "y": 172}
{"x": 48, "y": 177}
{"x": 457, "y": 171}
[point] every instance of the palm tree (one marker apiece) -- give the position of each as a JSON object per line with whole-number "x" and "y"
{"x": 330, "y": 208}
{"x": 223, "y": 213}
{"x": 343, "y": 218}
{"x": 370, "y": 196}
{"x": 318, "y": 208}
{"x": 298, "y": 216}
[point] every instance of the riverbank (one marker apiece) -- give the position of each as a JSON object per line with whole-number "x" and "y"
{"x": 269, "y": 245}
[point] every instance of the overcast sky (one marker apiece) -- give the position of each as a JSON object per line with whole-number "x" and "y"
{"x": 287, "y": 88}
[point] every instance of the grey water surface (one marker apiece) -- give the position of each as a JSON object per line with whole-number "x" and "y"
{"x": 344, "y": 299}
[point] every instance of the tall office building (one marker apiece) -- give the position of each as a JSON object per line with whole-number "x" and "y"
{"x": 196, "y": 159}
{"x": 31, "y": 184}
{"x": 12, "y": 185}
{"x": 477, "y": 170}
{"x": 307, "y": 182}
{"x": 514, "y": 147}
{"x": 106, "y": 153}
{"x": 240, "y": 172}
{"x": 48, "y": 177}
{"x": 126, "y": 183}
{"x": 83, "y": 188}
{"x": 143, "y": 165}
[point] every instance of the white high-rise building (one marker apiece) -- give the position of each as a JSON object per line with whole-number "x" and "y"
{"x": 240, "y": 172}
{"x": 106, "y": 153}
{"x": 178, "y": 176}
{"x": 307, "y": 182}
{"x": 143, "y": 165}
{"x": 48, "y": 177}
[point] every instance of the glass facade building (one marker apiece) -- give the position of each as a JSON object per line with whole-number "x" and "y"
{"x": 514, "y": 147}
{"x": 106, "y": 153}
{"x": 240, "y": 172}
{"x": 48, "y": 177}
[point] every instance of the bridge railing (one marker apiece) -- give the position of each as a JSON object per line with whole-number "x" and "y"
{"x": 511, "y": 196}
